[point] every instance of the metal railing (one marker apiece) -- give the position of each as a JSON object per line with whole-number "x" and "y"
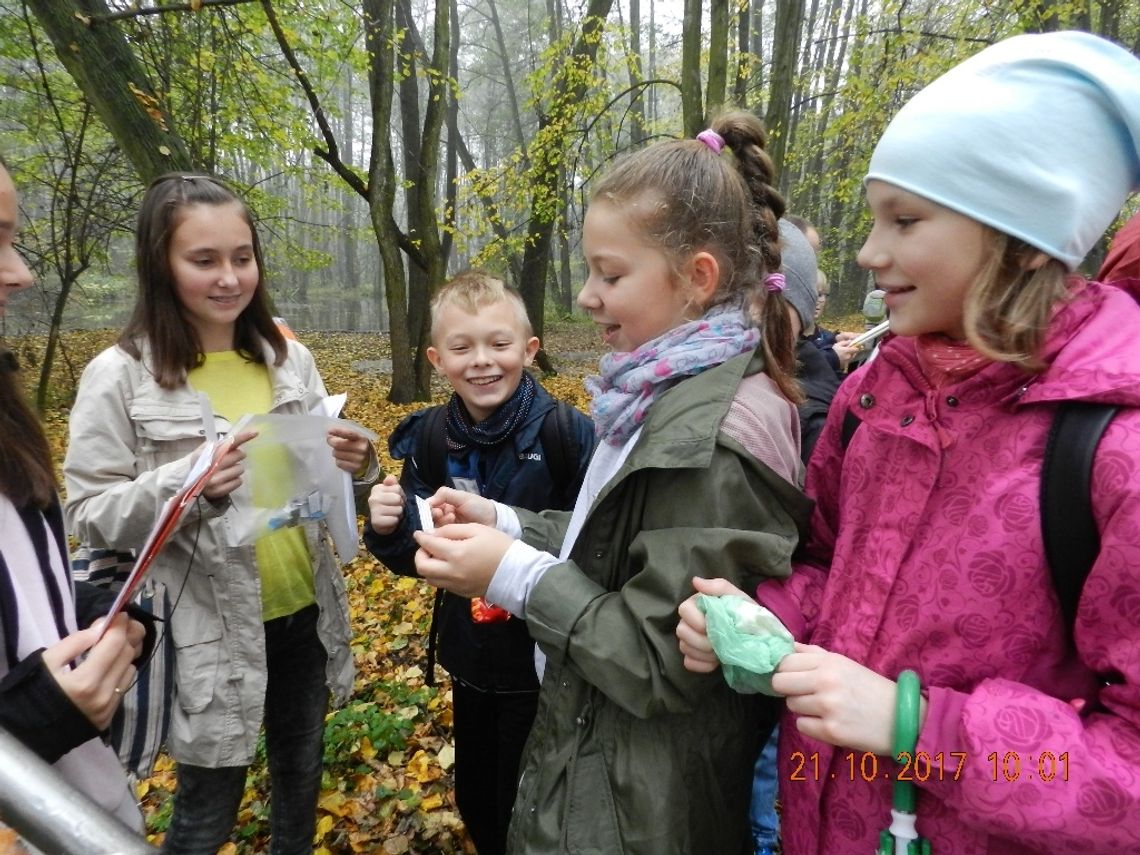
{"x": 51, "y": 814}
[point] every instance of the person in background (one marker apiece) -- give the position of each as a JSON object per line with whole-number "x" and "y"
{"x": 56, "y": 703}
{"x": 493, "y": 438}
{"x": 925, "y": 590}
{"x": 260, "y": 631}
{"x": 1123, "y": 259}
{"x": 814, "y": 373}
{"x": 831, "y": 344}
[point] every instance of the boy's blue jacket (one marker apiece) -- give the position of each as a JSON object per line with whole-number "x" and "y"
{"x": 498, "y": 656}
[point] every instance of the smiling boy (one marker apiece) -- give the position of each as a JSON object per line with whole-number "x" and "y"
{"x": 502, "y": 436}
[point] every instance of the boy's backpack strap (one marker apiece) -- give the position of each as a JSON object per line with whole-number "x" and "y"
{"x": 432, "y": 456}
{"x": 1068, "y": 526}
{"x": 560, "y": 443}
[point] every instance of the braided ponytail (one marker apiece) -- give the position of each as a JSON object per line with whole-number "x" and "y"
{"x": 744, "y": 135}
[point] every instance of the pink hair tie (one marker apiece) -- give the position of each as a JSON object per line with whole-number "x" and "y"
{"x": 775, "y": 283}
{"x": 712, "y": 139}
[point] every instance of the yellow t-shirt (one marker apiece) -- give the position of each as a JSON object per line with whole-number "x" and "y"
{"x": 235, "y": 387}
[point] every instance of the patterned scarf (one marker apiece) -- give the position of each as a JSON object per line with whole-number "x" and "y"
{"x": 631, "y": 382}
{"x": 945, "y": 361}
{"x": 462, "y": 433}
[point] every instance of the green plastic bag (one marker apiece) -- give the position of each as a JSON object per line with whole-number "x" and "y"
{"x": 748, "y": 639}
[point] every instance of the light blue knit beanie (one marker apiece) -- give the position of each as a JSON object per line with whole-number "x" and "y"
{"x": 1037, "y": 136}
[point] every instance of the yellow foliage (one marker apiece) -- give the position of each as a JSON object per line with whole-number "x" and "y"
{"x": 423, "y": 769}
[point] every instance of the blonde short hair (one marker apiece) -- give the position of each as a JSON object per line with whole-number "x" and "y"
{"x": 474, "y": 289}
{"x": 1009, "y": 306}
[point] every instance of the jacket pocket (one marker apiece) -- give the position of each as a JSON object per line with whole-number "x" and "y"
{"x": 165, "y": 433}
{"x": 197, "y": 656}
{"x": 591, "y": 818}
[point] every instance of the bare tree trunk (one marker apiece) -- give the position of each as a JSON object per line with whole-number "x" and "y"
{"x": 744, "y": 57}
{"x": 785, "y": 45}
{"x": 692, "y": 112}
{"x": 718, "y": 56}
{"x": 412, "y": 142}
{"x": 349, "y": 265}
{"x": 508, "y": 79}
{"x": 567, "y": 91}
{"x": 454, "y": 140}
{"x": 636, "y": 91}
{"x": 379, "y": 27}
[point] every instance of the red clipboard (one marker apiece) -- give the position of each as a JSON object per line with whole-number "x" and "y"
{"x": 205, "y": 465}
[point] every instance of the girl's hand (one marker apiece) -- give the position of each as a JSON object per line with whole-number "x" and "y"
{"x": 350, "y": 449}
{"x": 386, "y": 505}
{"x": 461, "y": 558}
{"x": 92, "y": 684}
{"x": 692, "y": 631}
{"x": 227, "y": 477}
{"x": 838, "y": 700}
{"x": 459, "y": 506}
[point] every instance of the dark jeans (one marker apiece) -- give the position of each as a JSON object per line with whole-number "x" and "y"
{"x": 206, "y": 801}
{"x": 490, "y": 731}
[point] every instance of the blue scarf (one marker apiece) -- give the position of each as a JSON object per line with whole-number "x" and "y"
{"x": 462, "y": 433}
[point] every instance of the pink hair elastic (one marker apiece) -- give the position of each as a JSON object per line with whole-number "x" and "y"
{"x": 712, "y": 139}
{"x": 775, "y": 283}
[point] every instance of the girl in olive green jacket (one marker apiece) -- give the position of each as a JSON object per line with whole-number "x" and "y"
{"x": 630, "y": 753}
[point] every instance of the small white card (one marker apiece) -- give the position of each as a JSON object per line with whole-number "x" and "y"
{"x": 426, "y": 522}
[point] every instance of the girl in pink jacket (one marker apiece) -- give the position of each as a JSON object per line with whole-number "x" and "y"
{"x": 926, "y": 550}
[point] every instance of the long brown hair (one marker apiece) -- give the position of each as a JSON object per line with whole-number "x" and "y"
{"x": 722, "y": 204}
{"x": 26, "y": 473}
{"x": 157, "y": 316}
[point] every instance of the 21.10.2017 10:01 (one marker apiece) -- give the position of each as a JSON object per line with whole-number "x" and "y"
{"x": 921, "y": 767}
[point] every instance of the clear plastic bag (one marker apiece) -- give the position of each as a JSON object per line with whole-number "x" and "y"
{"x": 292, "y": 479}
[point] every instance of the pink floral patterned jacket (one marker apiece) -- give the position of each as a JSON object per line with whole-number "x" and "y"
{"x": 926, "y": 553}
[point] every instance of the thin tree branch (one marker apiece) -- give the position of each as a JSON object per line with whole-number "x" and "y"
{"x": 91, "y": 20}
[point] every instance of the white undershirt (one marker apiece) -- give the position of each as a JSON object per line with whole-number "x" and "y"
{"x": 523, "y": 566}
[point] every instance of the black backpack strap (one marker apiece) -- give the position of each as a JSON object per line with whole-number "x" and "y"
{"x": 560, "y": 444}
{"x": 433, "y": 637}
{"x": 432, "y": 457}
{"x": 431, "y": 460}
{"x": 1068, "y": 527}
{"x": 851, "y": 424}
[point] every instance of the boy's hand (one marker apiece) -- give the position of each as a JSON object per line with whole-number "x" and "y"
{"x": 95, "y": 684}
{"x": 461, "y": 558}
{"x": 349, "y": 449}
{"x": 386, "y": 505}
{"x": 838, "y": 700}
{"x": 692, "y": 631}
{"x": 846, "y": 353}
{"x": 458, "y": 506}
